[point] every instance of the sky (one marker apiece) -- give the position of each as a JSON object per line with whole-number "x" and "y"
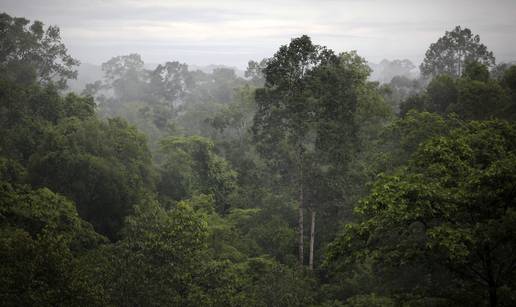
{"x": 229, "y": 32}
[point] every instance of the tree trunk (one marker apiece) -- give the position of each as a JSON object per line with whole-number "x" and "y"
{"x": 312, "y": 240}
{"x": 301, "y": 224}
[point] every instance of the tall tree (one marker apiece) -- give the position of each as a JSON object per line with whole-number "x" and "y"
{"x": 452, "y": 51}
{"x": 285, "y": 115}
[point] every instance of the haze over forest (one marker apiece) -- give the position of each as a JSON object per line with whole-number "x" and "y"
{"x": 258, "y": 153}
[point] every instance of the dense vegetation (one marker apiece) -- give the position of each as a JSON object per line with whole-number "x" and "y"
{"x": 302, "y": 184}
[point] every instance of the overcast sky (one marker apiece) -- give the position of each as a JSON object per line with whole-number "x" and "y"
{"x": 232, "y": 32}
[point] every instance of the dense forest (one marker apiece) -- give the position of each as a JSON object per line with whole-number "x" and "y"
{"x": 302, "y": 183}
